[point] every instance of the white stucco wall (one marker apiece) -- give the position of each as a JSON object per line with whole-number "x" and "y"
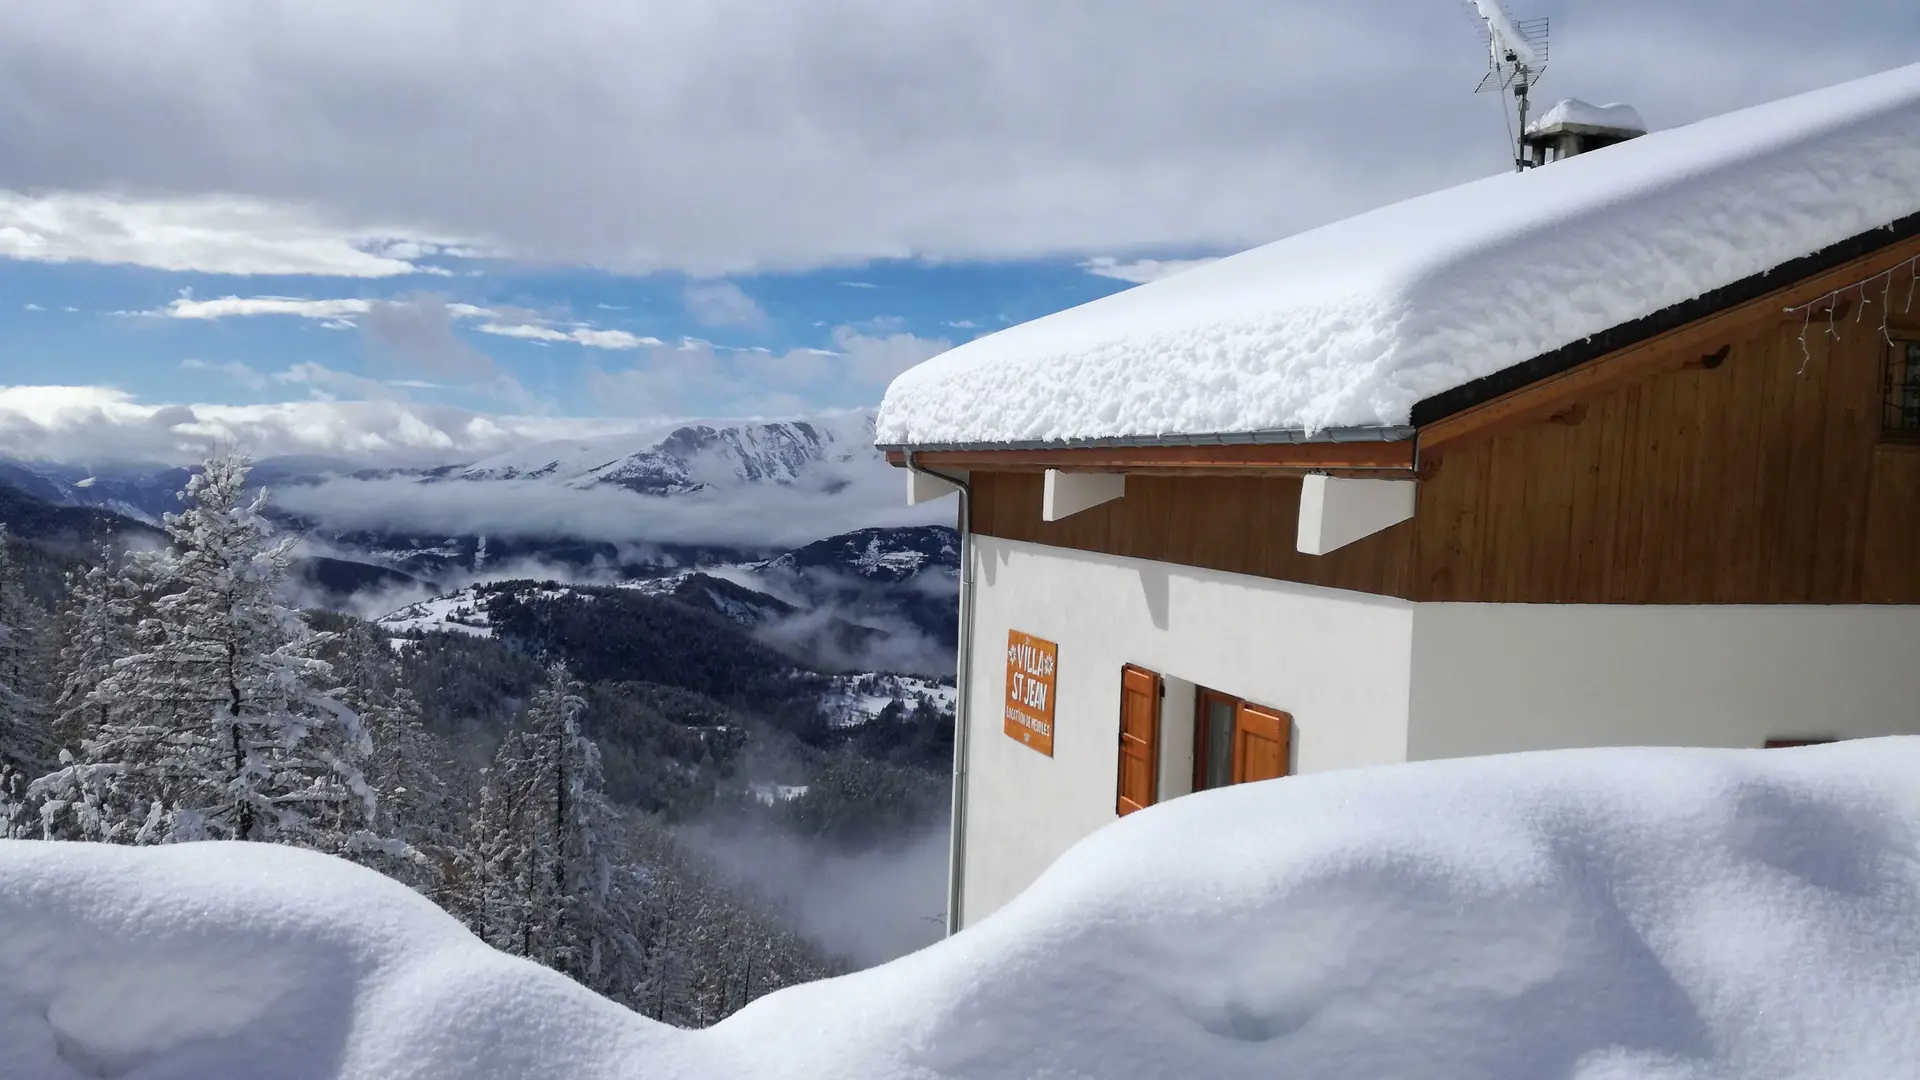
{"x": 1337, "y": 661}
{"x": 1491, "y": 678}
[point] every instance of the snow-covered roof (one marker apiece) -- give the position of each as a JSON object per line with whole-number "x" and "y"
{"x": 1572, "y": 112}
{"x": 1600, "y": 913}
{"x": 1349, "y": 325}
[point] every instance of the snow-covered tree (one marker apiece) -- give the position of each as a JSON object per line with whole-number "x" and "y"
{"x": 219, "y": 722}
{"x": 548, "y": 892}
{"x": 96, "y": 629}
{"x": 25, "y": 638}
{"x": 416, "y": 810}
{"x": 16, "y": 808}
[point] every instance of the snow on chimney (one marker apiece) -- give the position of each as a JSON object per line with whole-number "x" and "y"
{"x": 1574, "y": 127}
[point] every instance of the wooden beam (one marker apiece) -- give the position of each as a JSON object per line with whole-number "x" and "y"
{"x": 1335, "y": 512}
{"x": 1250, "y": 458}
{"x": 1065, "y": 494}
{"x": 1663, "y": 352}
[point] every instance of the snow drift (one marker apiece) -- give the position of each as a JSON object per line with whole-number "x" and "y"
{"x": 1589, "y": 914}
{"x": 1351, "y": 324}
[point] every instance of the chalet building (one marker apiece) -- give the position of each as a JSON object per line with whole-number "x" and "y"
{"x": 1622, "y": 450}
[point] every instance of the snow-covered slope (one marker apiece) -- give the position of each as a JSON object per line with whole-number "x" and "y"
{"x": 461, "y": 611}
{"x": 1596, "y": 915}
{"x": 880, "y": 555}
{"x": 1352, "y": 324}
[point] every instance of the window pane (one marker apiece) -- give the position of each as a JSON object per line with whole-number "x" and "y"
{"x": 1219, "y": 743}
{"x": 1910, "y": 389}
{"x": 1903, "y": 389}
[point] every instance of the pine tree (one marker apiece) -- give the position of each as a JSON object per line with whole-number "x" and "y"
{"x": 25, "y": 738}
{"x": 415, "y": 807}
{"x": 554, "y": 896}
{"x": 96, "y": 630}
{"x": 16, "y": 815}
{"x": 220, "y": 727}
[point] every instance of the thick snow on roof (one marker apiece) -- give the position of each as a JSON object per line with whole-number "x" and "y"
{"x": 1575, "y": 111}
{"x": 1592, "y": 914}
{"x": 1350, "y": 324}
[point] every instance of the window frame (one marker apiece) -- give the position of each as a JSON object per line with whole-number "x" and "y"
{"x": 1202, "y": 725}
{"x": 1903, "y": 348}
{"x": 1202, "y": 730}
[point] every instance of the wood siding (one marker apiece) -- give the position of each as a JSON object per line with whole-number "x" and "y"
{"x": 1243, "y": 525}
{"x": 1757, "y": 478}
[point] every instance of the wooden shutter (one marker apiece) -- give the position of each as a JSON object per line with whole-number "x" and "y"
{"x": 1139, "y": 739}
{"x": 1260, "y": 744}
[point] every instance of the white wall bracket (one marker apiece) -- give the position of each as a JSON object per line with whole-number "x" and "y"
{"x": 1336, "y": 512}
{"x": 924, "y": 487}
{"x": 1068, "y": 493}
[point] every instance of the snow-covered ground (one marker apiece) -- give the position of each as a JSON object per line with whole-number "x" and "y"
{"x": 459, "y": 612}
{"x": 768, "y": 794}
{"x": 1597, "y": 915}
{"x": 857, "y": 699}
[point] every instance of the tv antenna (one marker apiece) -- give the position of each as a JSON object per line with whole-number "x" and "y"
{"x": 1516, "y": 58}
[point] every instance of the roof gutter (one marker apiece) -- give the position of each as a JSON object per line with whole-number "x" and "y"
{"x": 962, "y": 676}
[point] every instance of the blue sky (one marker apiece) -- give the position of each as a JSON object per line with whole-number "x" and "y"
{"x": 167, "y": 336}
{"x": 406, "y": 233}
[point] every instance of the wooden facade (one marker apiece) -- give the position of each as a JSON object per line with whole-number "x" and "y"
{"x": 1756, "y": 473}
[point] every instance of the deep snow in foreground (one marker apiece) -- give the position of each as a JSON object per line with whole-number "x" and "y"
{"x": 1588, "y": 914}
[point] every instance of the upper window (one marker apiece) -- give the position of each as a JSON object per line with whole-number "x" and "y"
{"x": 1901, "y": 416}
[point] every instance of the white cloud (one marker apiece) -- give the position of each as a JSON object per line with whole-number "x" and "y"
{"x": 859, "y": 284}
{"x": 334, "y": 311}
{"x": 593, "y": 339}
{"x": 101, "y": 424}
{"x": 328, "y": 384}
{"x": 1140, "y": 271}
{"x": 207, "y": 234}
{"x": 698, "y": 375}
{"x": 962, "y": 324}
{"x": 722, "y": 303}
{"x": 346, "y": 313}
{"x": 768, "y": 136}
{"x": 32, "y": 307}
{"x": 233, "y": 369}
{"x": 877, "y": 358}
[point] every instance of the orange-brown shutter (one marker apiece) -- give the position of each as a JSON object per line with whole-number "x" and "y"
{"x": 1139, "y": 738}
{"x": 1260, "y": 744}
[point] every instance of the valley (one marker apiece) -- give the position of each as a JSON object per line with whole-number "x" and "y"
{"x": 750, "y": 682}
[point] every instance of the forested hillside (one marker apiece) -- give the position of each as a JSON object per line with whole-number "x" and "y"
{"x": 530, "y": 778}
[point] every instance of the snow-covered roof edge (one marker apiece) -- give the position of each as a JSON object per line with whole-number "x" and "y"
{"x": 1280, "y": 437}
{"x": 1352, "y": 324}
{"x": 1626, "y": 334}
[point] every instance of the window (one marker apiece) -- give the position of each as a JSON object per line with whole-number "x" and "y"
{"x": 1781, "y": 744}
{"x": 1901, "y": 417}
{"x": 1237, "y": 742}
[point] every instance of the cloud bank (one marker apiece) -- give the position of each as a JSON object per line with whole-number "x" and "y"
{"x": 99, "y": 425}
{"x": 830, "y": 499}
{"x": 733, "y": 135}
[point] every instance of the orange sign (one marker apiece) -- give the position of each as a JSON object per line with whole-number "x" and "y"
{"x": 1029, "y": 704}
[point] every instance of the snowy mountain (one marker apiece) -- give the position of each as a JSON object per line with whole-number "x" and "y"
{"x": 685, "y": 459}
